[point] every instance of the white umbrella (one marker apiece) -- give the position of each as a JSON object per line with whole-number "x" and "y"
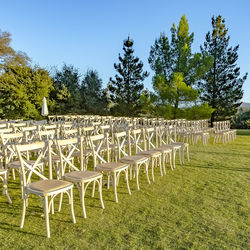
{"x": 45, "y": 110}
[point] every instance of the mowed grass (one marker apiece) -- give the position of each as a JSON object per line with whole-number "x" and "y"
{"x": 204, "y": 204}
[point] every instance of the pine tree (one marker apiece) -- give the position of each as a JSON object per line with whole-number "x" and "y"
{"x": 94, "y": 100}
{"x": 126, "y": 88}
{"x": 67, "y": 81}
{"x": 222, "y": 86}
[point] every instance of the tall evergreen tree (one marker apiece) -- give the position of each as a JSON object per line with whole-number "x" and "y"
{"x": 94, "y": 100}
{"x": 127, "y": 86}
{"x": 222, "y": 86}
{"x": 176, "y": 68}
{"x": 67, "y": 81}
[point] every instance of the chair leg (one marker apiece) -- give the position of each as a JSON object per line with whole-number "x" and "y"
{"x": 23, "y": 212}
{"x": 170, "y": 161}
{"x": 180, "y": 156}
{"x": 13, "y": 174}
{"x": 93, "y": 190}
{"x": 137, "y": 176}
{"x": 174, "y": 153}
{"x": 127, "y": 181}
{"x": 159, "y": 160}
{"x": 146, "y": 167}
{"x": 60, "y": 202}
{"x": 100, "y": 192}
{"x": 5, "y": 188}
{"x": 164, "y": 159}
{"x": 82, "y": 193}
{"x": 188, "y": 153}
{"x": 152, "y": 165}
{"x": 115, "y": 187}
{"x": 46, "y": 214}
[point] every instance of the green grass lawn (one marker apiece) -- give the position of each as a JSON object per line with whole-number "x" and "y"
{"x": 204, "y": 204}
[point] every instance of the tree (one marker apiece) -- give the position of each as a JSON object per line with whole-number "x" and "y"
{"x": 94, "y": 99}
{"x": 126, "y": 88}
{"x": 222, "y": 86}
{"x": 67, "y": 87}
{"x": 176, "y": 68}
{"x": 8, "y": 56}
{"x": 22, "y": 89}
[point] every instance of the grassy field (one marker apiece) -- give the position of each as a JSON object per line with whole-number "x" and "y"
{"x": 204, "y": 204}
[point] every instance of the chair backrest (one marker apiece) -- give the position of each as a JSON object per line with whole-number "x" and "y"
{"x": 47, "y": 134}
{"x": 99, "y": 145}
{"x": 3, "y": 125}
{"x": 29, "y": 133}
{"x": 6, "y": 130}
{"x": 151, "y": 138}
{"x": 28, "y": 168}
{"x": 70, "y": 133}
{"x": 11, "y": 138}
{"x": 122, "y": 139}
{"x": 138, "y": 135}
{"x": 67, "y": 148}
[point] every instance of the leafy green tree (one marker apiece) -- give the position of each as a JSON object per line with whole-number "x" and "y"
{"x": 126, "y": 88}
{"x": 94, "y": 99}
{"x": 8, "y": 56}
{"x": 67, "y": 90}
{"x": 222, "y": 86}
{"x": 22, "y": 90}
{"x": 176, "y": 69}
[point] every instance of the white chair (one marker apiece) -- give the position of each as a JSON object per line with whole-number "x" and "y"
{"x": 45, "y": 188}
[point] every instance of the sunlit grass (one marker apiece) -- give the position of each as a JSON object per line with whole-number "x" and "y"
{"x": 203, "y": 204}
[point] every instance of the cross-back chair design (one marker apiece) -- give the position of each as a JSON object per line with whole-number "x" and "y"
{"x": 30, "y": 133}
{"x": 100, "y": 146}
{"x": 46, "y": 189}
{"x": 8, "y": 142}
{"x": 164, "y": 139}
{"x": 80, "y": 177}
{"x": 136, "y": 161}
{"x": 156, "y": 155}
{"x": 181, "y": 146}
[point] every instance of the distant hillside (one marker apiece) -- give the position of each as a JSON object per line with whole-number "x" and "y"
{"x": 245, "y": 106}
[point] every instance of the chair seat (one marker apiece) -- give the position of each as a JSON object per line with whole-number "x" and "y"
{"x": 48, "y": 186}
{"x": 171, "y": 146}
{"x": 164, "y": 149}
{"x": 151, "y": 153}
{"x": 181, "y": 144}
{"x": 79, "y": 176}
{"x": 111, "y": 166}
{"x": 86, "y": 152}
{"x": 134, "y": 159}
{"x": 17, "y": 164}
{"x": 3, "y": 171}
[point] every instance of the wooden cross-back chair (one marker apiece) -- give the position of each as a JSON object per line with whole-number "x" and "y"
{"x": 100, "y": 146}
{"x": 46, "y": 189}
{"x": 82, "y": 178}
{"x": 164, "y": 139}
{"x": 8, "y": 142}
{"x": 30, "y": 133}
{"x": 125, "y": 148}
{"x": 150, "y": 150}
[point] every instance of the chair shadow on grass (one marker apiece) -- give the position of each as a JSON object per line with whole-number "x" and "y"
{"x": 218, "y": 168}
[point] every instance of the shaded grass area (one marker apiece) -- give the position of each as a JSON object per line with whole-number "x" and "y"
{"x": 202, "y": 204}
{"x": 243, "y": 131}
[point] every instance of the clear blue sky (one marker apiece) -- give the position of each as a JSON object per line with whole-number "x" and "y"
{"x": 89, "y": 34}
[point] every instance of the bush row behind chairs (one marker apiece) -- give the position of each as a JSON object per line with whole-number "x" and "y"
{"x": 83, "y": 176}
